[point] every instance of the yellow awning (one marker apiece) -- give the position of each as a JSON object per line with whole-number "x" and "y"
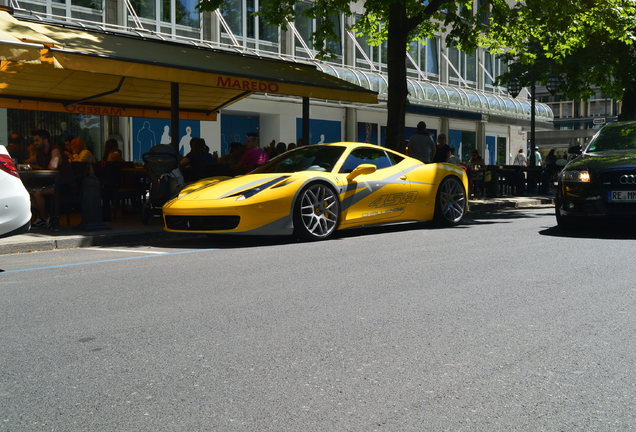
{"x": 55, "y": 68}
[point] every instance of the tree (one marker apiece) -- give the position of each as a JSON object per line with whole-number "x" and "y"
{"x": 395, "y": 21}
{"x": 589, "y": 44}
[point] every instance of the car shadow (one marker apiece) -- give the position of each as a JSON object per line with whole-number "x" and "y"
{"x": 233, "y": 241}
{"x": 607, "y": 230}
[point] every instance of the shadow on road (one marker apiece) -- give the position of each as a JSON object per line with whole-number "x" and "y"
{"x": 606, "y": 230}
{"x": 233, "y": 241}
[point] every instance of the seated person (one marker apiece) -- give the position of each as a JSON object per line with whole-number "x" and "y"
{"x": 79, "y": 152}
{"x": 199, "y": 163}
{"x": 15, "y": 147}
{"x": 48, "y": 156}
{"x": 111, "y": 151}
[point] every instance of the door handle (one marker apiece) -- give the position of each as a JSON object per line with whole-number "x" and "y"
{"x": 403, "y": 177}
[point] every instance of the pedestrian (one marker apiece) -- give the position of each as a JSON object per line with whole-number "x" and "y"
{"x": 442, "y": 150}
{"x": 520, "y": 159}
{"x": 453, "y": 159}
{"x": 421, "y": 145}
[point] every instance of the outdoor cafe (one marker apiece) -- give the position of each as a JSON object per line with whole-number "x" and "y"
{"x": 60, "y": 68}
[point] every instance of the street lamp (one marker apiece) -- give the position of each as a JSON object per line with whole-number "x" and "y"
{"x": 554, "y": 84}
{"x": 514, "y": 87}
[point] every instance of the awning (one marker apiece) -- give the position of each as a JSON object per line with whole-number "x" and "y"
{"x": 62, "y": 68}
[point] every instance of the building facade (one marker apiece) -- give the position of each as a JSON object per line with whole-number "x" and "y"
{"x": 452, "y": 91}
{"x": 575, "y": 122}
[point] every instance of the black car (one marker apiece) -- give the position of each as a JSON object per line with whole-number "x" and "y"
{"x": 602, "y": 180}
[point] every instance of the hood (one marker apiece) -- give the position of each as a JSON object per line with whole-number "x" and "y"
{"x": 607, "y": 160}
{"x": 224, "y": 187}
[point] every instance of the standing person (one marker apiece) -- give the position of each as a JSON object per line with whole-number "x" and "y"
{"x": 442, "y": 150}
{"x": 550, "y": 171}
{"x": 421, "y": 145}
{"x": 519, "y": 179}
{"x": 253, "y": 156}
{"x": 520, "y": 159}
{"x": 538, "y": 160}
{"x": 48, "y": 156}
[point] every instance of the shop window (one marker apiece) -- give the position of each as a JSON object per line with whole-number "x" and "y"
{"x": 61, "y": 126}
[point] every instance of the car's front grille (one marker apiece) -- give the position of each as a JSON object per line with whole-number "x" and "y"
{"x": 613, "y": 177}
{"x": 202, "y": 223}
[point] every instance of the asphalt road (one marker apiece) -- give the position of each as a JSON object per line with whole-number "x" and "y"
{"x": 501, "y": 324}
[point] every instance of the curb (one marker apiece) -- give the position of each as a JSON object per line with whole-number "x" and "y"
{"x": 83, "y": 240}
{"x": 503, "y": 204}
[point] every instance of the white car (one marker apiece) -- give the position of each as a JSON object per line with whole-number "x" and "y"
{"x": 15, "y": 202}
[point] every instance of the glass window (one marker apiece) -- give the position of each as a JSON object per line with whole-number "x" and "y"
{"x": 307, "y": 158}
{"x": 93, "y": 4}
{"x": 366, "y": 155}
{"x": 232, "y": 12}
{"x": 185, "y": 12}
{"x": 432, "y": 56}
{"x": 471, "y": 67}
{"x": 336, "y": 46}
{"x": 453, "y": 56}
{"x": 489, "y": 73}
{"x": 145, "y": 8}
{"x": 614, "y": 137}
{"x": 304, "y": 24}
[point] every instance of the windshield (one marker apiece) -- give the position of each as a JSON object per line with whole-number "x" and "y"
{"x": 306, "y": 158}
{"x": 614, "y": 137}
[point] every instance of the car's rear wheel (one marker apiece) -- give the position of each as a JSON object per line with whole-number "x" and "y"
{"x": 450, "y": 203}
{"x": 316, "y": 212}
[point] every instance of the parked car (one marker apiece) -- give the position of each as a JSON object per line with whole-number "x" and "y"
{"x": 15, "y": 202}
{"x": 315, "y": 190}
{"x": 602, "y": 180}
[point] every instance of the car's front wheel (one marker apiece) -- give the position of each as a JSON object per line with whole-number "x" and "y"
{"x": 450, "y": 203}
{"x": 316, "y": 212}
{"x": 565, "y": 223}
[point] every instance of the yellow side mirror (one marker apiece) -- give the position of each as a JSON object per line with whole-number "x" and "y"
{"x": 361, "y": 170}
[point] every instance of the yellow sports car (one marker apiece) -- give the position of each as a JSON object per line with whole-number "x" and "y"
{"x": 314, "y": 190}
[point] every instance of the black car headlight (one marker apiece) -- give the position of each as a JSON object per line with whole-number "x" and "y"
{"x": 575, "y": 176}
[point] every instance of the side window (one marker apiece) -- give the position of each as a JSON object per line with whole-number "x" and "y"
{"x": 371, "y": 156}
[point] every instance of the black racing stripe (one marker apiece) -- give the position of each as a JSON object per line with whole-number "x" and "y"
{"x": 258, "y": 189}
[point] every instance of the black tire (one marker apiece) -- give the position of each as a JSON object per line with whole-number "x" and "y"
{"x": 450, "y": 202}
{"x": 566, "y": 223}
{"x": 316, "y": 212}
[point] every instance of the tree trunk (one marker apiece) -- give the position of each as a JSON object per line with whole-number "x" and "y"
{"x": 628, "y": 109}
{"x": 397, "y": 91}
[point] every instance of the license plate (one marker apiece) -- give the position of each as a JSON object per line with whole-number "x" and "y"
{"x": 624, "y": 196}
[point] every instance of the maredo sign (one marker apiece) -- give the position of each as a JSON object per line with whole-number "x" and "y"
{"x": 248, "y": 85}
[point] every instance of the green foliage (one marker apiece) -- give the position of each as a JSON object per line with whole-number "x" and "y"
{"x": 587, "y": 43}
{"x": 423, "y": 20}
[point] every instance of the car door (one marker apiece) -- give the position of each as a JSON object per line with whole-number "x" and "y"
{"x": 376, "y": 197}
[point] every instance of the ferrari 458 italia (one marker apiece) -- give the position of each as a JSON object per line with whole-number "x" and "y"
{"x": 313, "y": 191}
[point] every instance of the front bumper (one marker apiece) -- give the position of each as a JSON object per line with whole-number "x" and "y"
{"x": 583, "y": 200}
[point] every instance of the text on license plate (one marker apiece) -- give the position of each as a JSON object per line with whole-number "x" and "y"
{"x": 621, "y": 196}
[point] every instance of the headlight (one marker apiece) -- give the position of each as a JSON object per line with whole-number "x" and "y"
{"x": 575, "y": 176}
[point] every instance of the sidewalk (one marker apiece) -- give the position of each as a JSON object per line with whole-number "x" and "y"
{"x": 130, "y": 229}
